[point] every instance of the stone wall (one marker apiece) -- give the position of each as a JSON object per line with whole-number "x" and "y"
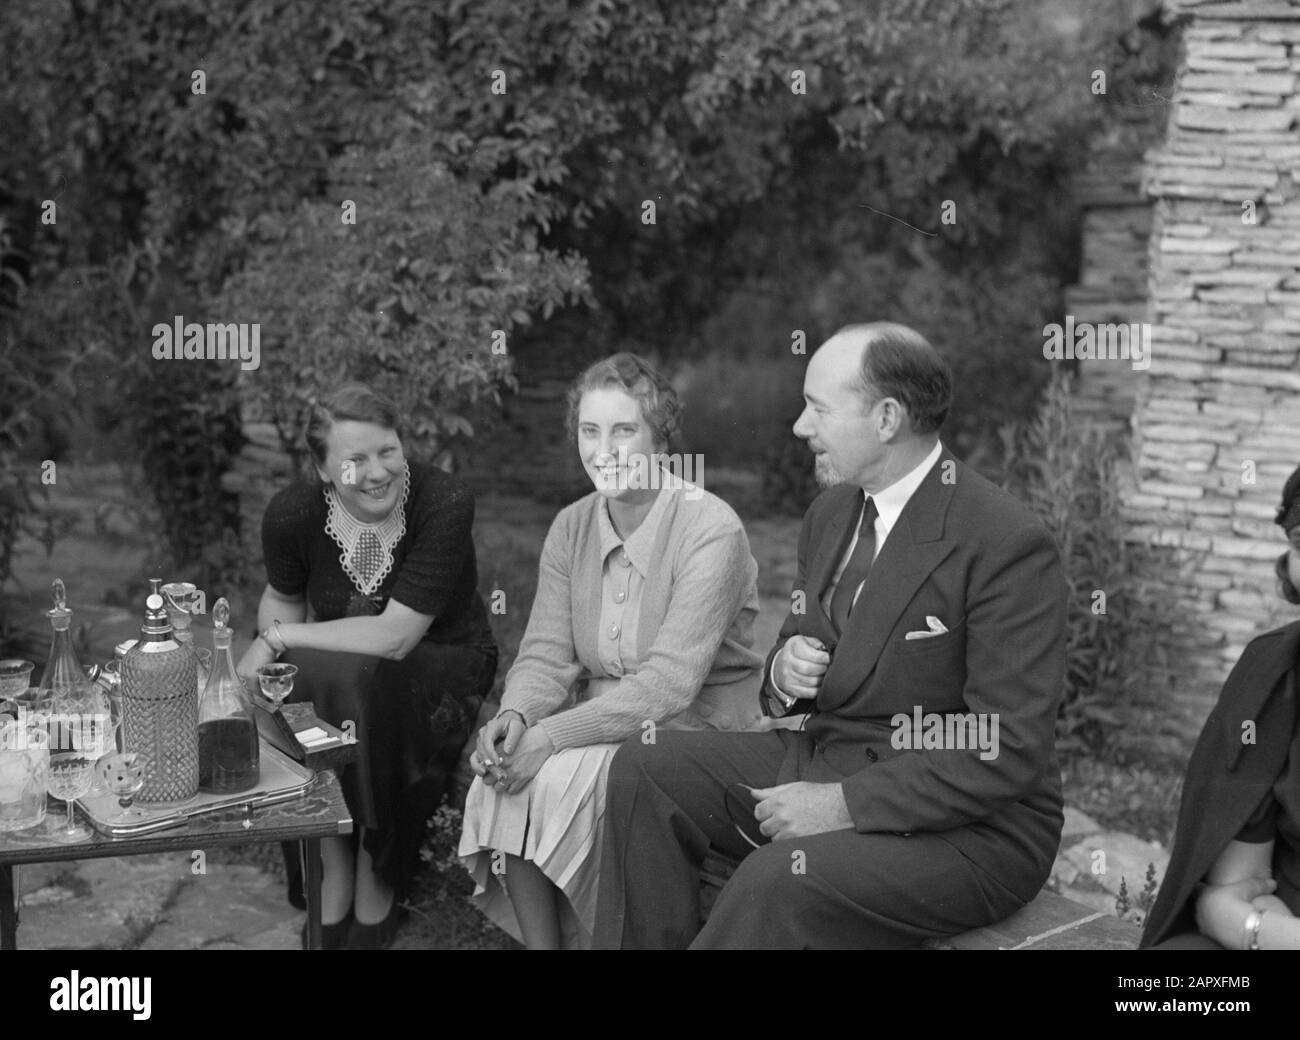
{"x": 1112, "y": 286}
{"x": 1217, "y": 421}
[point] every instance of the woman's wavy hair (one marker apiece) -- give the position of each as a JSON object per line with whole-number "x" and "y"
{"x": 354, "y": 402}
{"x": 635, "y": 376}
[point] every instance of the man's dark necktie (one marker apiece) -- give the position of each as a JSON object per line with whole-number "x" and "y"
{"x": 855, "y": 572}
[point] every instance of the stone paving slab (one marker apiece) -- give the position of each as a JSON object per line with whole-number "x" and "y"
{"x": 233, "y": 906}
{"x": 153, "y": 902}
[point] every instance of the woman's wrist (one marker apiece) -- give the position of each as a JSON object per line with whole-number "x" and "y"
{"x": 271, "y": 636}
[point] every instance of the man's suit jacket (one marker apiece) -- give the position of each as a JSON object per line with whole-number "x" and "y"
{"x": 972, "y": 555}
{"x": 1228, "y": 777}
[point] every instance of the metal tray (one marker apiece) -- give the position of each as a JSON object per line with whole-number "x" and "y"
{"x": 282, "y": 779}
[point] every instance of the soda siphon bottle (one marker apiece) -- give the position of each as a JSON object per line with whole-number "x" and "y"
{"x": 160, "y": 707}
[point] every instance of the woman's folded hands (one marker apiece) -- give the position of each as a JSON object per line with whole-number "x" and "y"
{"x": 510, "y": 753}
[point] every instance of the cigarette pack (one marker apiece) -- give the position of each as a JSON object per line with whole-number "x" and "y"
{"x": 301, "y": 734}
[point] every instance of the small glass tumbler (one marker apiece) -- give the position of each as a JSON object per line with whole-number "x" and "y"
{"x": 24, "y": 769}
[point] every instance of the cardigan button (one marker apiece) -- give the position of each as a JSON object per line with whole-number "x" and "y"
{"x": 871, "y": 754}
{"x": 613, "y": 631}
{"x": 619, "y": 597}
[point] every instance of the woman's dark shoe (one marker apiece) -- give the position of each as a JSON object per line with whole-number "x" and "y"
{"x": 332, "y": 936}
{"x": 376, "y": 936}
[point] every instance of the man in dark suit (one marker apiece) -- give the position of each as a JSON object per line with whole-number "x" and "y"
{"x": 928, "y": 614}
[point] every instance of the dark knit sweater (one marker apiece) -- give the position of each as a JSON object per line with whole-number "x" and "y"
{"x": 434, "y": 566}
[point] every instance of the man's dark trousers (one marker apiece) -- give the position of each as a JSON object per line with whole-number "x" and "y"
{"x": 841, "y": 889}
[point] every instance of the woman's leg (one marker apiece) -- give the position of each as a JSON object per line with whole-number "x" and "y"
{"x": 374, "y": 899}
{"x": 336, "y": 879}
{"x": 536, "y": 901}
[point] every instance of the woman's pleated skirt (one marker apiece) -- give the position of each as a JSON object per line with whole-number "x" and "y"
{"x": 556, "y": 822}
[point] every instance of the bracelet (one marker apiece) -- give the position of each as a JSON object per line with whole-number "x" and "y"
{"x": 514, "y": 711}
{"x": 1250, "y": 930}
{"x": 275, "y": 623}
{"x": 265, "y": 638}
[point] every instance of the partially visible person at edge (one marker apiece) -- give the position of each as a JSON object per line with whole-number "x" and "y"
{"x": 1234, "y": 879}
{"x": 646, "y": 599}
{"x": 372, "y": 592}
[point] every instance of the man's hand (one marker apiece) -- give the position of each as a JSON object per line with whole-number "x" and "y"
{"x": 800, "y": 666}
{"x": 800, "y": 809}
{"x": 1221, "y": 910}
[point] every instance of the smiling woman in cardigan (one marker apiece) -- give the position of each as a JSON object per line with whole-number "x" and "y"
{"x": 1234, "y": 879}
{"x": 646, "y": 598}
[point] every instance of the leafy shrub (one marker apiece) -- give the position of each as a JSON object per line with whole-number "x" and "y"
{"x": 39, "y": 390}
{"x": 408, "y": 302}
{"x": 1065, "y": 470}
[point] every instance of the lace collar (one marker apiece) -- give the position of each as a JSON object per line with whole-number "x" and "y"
{"x": 366, "y": 550}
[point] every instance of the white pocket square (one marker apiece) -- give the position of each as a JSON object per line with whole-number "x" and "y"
{"x": 937, "y": 628}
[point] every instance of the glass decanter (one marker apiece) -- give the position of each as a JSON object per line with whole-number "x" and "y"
{"x": 228, "y": 741}
{"x": 81, "y": 715}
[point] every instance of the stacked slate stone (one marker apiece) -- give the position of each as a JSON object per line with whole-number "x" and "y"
{"x": 1112, "y": 286}
{"x": 1217, "y": 426}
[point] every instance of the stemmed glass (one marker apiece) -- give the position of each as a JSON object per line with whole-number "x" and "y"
{"x": 123, "y": 774}
{"x": 69, "y": 778}
{"x": 276, "y": 681}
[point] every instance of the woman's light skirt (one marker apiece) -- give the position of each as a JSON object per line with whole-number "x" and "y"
{"x": 556, "y": 822}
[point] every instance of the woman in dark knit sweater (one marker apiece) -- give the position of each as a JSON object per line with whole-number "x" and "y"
{"x": 372, "y": 591}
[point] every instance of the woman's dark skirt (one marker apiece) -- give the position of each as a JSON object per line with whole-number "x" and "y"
{"x": 412, "y": 719}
